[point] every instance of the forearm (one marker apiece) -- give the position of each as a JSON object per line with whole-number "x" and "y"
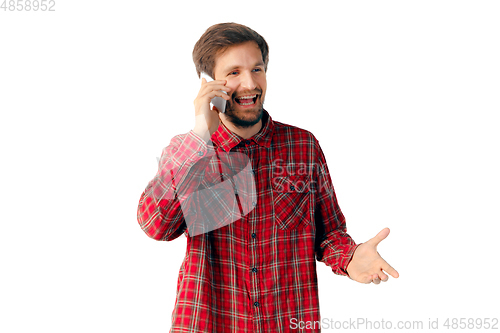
{"x": 180, "y": 172}
{"x": 334, "y": 246}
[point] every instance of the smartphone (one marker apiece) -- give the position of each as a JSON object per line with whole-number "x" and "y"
{"x": 218, "y": 102}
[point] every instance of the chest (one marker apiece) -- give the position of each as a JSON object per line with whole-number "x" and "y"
{"x": 275, "y": 187}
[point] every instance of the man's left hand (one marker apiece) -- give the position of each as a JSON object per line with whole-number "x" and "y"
{"x": 367, "y": 265}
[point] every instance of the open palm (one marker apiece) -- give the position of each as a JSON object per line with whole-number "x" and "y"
{"x": 367, "y": 265}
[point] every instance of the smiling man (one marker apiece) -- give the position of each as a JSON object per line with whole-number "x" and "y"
{"x": 245, "y": 108}
{"x": 253, "y": 238}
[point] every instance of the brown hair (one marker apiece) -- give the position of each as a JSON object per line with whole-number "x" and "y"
{"x": 218, "y": 38}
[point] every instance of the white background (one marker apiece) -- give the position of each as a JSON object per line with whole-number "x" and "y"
{"x": 402, "y": 95}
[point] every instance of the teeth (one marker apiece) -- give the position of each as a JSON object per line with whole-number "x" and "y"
{"x": 246, "y": 97}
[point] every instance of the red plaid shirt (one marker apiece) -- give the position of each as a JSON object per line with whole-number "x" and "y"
{"x": 258, "y": 273}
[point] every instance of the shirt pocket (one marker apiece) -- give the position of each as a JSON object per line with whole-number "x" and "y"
{"x": 292, "y": 200}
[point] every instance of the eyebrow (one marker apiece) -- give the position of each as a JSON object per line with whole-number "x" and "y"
{"x": 231, "y": 68}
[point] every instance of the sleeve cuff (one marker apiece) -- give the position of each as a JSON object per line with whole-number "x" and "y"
{"x": 196, "y": 147}
{"x": 346, "y": 260}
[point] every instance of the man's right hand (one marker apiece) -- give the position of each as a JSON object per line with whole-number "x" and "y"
{"x": 207, "y": 120}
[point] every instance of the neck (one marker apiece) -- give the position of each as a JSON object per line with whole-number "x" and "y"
{"x": 246, "y": 132}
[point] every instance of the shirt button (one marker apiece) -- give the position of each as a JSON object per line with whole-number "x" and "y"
{"x": 254, "y": 203}
{"x": 254, "y": 270}
{"x": 247, "y": 142}
{"x": 200, "y": 153}
{"x": 256, "y": 303}
{"x": 292, "y": 188}
{"x": 254, "y": 235}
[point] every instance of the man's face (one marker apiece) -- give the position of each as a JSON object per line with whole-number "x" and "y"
{"x": 243, "y": 68}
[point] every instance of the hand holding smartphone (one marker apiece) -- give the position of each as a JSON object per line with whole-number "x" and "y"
{"x": 218, "y": 102}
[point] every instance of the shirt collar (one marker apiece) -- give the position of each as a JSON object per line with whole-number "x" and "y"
{"x": 227, "y": 140}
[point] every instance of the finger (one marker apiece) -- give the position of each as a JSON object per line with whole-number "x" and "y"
{"x": 208, "y": 90}
{"x": 220, "y": 86}
{"x": 221, "y": 83}
{"x": 218, "y": 93}
{"x": 373, "y": 279}
{"x": 367, "y": 279}
{"x": 391, "y": 271}
{"x": 380, "y": 236}
{"x": 383, "y": 277}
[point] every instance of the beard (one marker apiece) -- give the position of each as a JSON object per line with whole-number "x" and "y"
{"x": 244, "y": 118}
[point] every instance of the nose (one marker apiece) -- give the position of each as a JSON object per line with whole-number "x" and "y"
{"x": 247, "y": 81}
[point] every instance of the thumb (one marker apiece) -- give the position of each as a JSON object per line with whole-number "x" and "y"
{"x": 380, "y": 236}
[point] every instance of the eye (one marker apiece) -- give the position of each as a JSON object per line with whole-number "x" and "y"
{"x": 233, "y": 73}
{"x": 257, "y": 70}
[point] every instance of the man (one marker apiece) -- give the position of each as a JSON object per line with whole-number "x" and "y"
{"x": 252, "y": 236}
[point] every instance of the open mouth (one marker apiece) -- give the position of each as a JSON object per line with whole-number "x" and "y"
{"x": 246, "y": 100}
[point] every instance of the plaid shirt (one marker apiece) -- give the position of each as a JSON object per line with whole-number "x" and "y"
{"x": 256, "y": 272}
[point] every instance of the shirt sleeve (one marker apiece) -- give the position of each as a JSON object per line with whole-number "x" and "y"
{"x": 334, "y": 246}
{"x": 180, "y": 171}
